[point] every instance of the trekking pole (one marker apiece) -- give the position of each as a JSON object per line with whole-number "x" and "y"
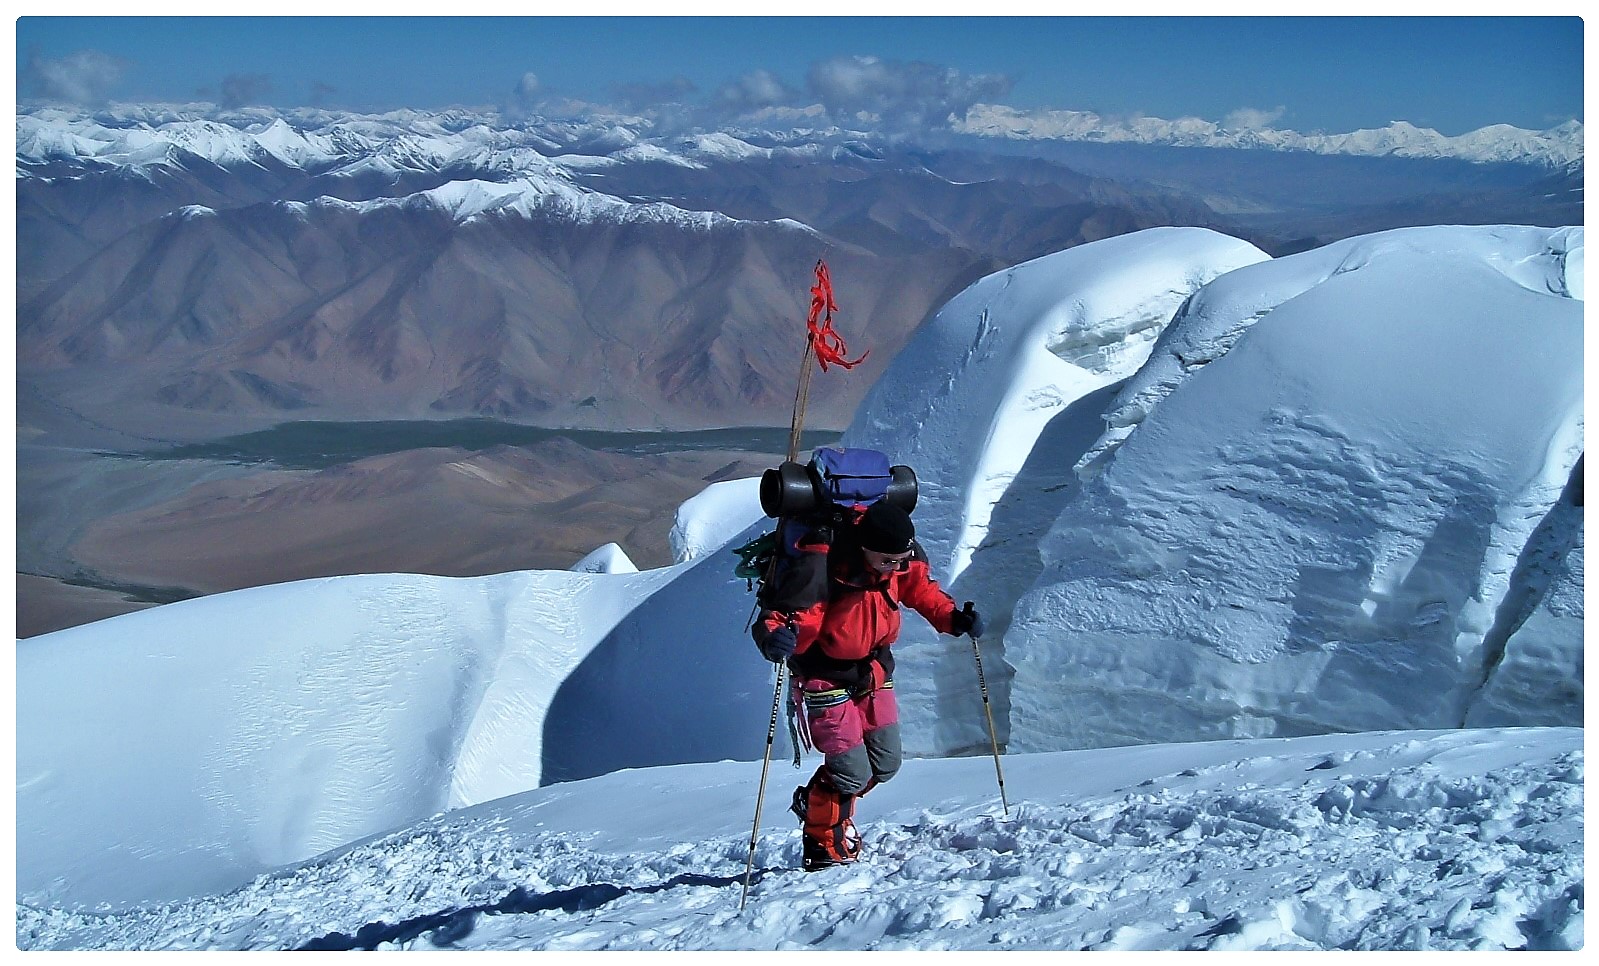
{"x": 982, "y": 686}
{"x": 802, "y": 395}
{"x": 760, "y": 796}
{"x": 796, "y": 426}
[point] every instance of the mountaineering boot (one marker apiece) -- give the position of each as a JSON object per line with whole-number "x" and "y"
{"x": 820, "y": 853}
{"x": 828, "y": 836}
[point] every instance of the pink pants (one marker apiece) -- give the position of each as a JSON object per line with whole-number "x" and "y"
{"x": 859, "y": 735}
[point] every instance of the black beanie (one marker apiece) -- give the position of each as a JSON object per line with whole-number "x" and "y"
{"x": 885, "y": 528}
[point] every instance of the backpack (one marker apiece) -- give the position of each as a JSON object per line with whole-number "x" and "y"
{"x": 811, "y": 502}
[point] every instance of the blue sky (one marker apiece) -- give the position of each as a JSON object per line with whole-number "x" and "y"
{"x": 1306, "y": 74}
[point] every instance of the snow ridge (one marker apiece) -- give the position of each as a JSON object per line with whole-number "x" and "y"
{"x": 467, "y": 201}
{"x": 1219, "y": 315}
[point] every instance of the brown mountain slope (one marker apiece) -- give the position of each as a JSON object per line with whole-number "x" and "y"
{"x": 332, "y": 312}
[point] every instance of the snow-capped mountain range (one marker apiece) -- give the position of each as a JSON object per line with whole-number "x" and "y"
{"x": 1198, "y": 492}
{"x": 1558, "y": 147}
{"x": 524, "y": 175}
{"x": 138, "y": 135}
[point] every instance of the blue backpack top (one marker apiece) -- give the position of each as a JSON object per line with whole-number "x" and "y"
{"x": 810, "y": 501}
{"x": 836, "y": 477}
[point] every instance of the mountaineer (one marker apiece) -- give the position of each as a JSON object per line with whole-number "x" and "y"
{"x": 839, "y": 651}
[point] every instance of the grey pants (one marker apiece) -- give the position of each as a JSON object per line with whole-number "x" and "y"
{"x": 878, "y": 757}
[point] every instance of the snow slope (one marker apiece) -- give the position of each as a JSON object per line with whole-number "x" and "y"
{"x": 1369, "y": 444}
{"x": 1447, "y": 841}
{"x": 218, "y": 737}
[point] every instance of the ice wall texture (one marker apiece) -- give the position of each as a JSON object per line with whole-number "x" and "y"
{"x": 1329, "y": 501}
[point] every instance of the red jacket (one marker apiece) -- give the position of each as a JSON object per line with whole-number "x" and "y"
{"x": 840, "y": 637}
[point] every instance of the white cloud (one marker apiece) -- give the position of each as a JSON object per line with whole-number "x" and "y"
{"x": 1252, "y": 118}
{"x": 647, "y": 95}
{"x": 910, "y": 94}
{"x": 241, "y": 89}
{"x": 524, "y": 95}
{"x": 81, "y": 77}
{"x": 754, "y": 90}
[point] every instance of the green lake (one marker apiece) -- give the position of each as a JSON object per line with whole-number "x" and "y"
{"x": 318, "y": 445}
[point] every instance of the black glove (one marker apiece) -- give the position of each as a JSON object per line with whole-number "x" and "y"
{"x": 779, "y": 644}
{"x": 967, "y": 622}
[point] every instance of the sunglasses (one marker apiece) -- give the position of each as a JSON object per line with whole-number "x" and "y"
{"x": 884, "y": 560}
